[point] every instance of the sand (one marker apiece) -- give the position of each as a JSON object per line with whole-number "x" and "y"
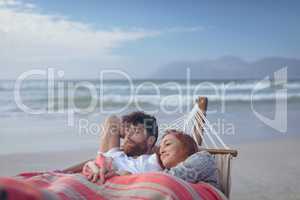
{"x": 16, "y": 163}
{"x": 267, "y": 170}
{"x": 263, "y": 170}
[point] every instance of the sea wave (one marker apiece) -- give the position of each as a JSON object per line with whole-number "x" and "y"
{"x": 149, "y": 85}
{"x": 144, "y": 102}
{"x": 148, "y": 100}
{"x": 34, "y": 94}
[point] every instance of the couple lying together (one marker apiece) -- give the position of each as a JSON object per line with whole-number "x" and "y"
{"x": 177, "y": 154}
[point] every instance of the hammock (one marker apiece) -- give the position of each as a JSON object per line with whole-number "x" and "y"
{"x": 196, "y": 124}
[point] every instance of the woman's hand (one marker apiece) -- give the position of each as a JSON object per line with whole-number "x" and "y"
{"x": 106, "y": 167}
{"x": 101, "y": 168}
{"x": 91, "y": 171}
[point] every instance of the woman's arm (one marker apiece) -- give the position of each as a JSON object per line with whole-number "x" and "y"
{"x": 123, "y": 173}
{"x": 76, "y": 168}
{"x": 200, "y": 166}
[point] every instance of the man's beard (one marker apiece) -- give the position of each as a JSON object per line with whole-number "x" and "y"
{"x": 134, "y": 149}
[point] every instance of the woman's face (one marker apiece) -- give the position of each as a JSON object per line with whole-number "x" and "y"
{"x": 171, "y": 151}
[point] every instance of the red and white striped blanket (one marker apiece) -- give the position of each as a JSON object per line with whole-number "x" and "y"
{"x": 53, "y": 185}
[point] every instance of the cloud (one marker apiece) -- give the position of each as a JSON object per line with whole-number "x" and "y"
{"x": 16, "y": 3}
{"x": 30, "y": 38}
{"x": 25, "y": 31}
{"x": 185, "y": 29}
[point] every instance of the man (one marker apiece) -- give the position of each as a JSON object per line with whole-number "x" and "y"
{"x": 140, "y": 132}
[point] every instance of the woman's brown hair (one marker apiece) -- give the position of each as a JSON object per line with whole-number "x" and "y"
{"x": 187, "y": 142}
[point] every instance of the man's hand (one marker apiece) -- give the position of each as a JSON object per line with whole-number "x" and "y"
{"x": 113, "y": 125}
{"x": 124, "y": 129}
{"x": 111, "y": 134}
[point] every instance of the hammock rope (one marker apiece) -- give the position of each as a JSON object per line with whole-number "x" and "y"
{"x": 193, "y": 123}
{"x": 196, "y": 124}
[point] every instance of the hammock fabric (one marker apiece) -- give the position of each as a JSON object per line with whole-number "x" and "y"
{"x": 53, "y": 185}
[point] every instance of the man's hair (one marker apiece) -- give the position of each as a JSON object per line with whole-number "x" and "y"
{"x": 148, "y": 121}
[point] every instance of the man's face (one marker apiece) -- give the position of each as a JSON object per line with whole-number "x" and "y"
{"x": 135, "y": 141}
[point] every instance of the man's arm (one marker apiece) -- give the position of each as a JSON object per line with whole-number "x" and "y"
{"x": 111, "y": 134}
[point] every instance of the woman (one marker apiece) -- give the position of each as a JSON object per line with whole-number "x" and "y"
{"x": 178, "y": 155}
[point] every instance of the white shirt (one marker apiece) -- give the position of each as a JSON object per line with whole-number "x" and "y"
{"x": 140, "y": 164}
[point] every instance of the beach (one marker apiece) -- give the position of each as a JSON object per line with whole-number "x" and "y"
{"x": 262, "y": 170}
{"x": 266, "y": 167}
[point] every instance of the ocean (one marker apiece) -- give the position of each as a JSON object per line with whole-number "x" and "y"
{"x": 43, "y": 116}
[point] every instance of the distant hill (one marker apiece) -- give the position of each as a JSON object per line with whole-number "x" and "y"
{"x": 229, "y": 67}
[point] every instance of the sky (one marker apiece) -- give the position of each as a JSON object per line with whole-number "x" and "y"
{"x": 138, "y": 36}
